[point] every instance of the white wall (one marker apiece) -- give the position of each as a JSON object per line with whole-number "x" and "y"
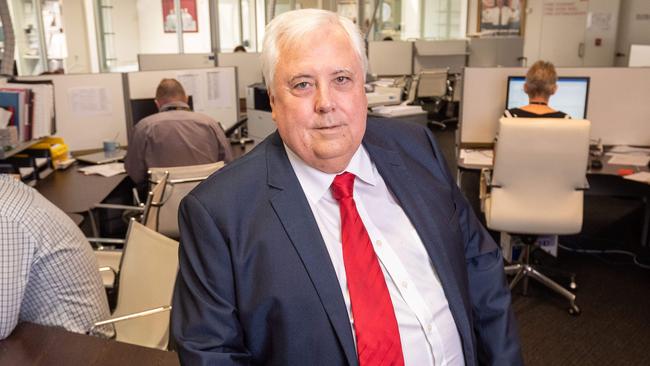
{"x": 125, "y": 26}
{"x": 411, "y": 10}
{"x": 153, "y": 39}
{"x": 76, "y": 34}
{"x": 634, "y": 27}
{"x": 602, "y": 26}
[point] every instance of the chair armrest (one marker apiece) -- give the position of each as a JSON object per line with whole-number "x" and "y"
{"x": 106, "y": 240}
{"x": 108, "y": 269}
{"x": 110, "y": 206}
{"x": 139, "y": 314}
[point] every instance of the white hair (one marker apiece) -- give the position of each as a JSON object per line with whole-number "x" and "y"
{"x": 291, "y": 26}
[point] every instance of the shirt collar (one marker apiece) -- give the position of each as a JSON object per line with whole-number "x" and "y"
{"x": 316, "y": 183}
{"x": 174, "y": 105}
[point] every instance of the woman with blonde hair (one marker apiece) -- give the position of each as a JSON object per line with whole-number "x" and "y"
{"x": 541, "y": 84}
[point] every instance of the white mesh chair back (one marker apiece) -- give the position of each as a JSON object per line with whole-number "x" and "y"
{"x": 181, "y": 181}
{"x": 146, "y": 281}
{"x": 432, "y": 83}
{"x": 539, "y": 170}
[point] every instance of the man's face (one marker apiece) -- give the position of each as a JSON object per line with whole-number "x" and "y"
{"x": 318, "y": 99}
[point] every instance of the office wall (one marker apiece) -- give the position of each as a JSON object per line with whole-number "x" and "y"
{"x": 76, "y": 31}
{"x": 634, "y": 27}
{"x": 125, "y": 26}
{"x": 153, "y": 39}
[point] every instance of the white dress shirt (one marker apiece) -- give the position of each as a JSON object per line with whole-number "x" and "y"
{"x": 427, "y": 330}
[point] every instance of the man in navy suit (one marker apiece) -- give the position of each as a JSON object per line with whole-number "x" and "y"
{"x": 270, "y": 269}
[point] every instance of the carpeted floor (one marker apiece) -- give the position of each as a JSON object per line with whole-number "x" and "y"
{"x": 613, "y": 328}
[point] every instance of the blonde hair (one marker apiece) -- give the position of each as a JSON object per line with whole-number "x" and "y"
{"x": 541, "y": 79}
{"x": 291, "y": 26}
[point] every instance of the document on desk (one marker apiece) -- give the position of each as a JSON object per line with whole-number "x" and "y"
{"x": 626, "y": 149}
{"x": 477, "y": 156}
{"x": 643, "y": 177}
{"x": 397, "y": 110}
{"x": 628, "y": 159}
{"x": 106, "y": 170}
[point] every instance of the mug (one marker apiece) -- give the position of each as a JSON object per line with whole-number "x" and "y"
{"x": 111, "y": 146}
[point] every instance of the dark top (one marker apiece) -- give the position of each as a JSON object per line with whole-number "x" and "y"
{"x": 517, "y": 112}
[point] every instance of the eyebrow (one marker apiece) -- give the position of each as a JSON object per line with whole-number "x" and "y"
{"x": 300, "y": 76}
{"x": 344, "y": 71}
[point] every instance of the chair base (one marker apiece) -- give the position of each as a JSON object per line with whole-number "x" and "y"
{"x": 524, "y": 271}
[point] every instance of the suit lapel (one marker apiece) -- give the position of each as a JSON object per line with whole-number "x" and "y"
{"x": 429, "y": 221}
{"x": 292, "y": 208}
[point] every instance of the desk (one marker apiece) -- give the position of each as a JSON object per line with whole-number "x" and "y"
{"x": 74, "y": 192}
{"x": 602, "y": 182}
{"x": 32, "y": 344}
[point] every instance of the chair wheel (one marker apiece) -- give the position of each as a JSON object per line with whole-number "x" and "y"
{"x": 574, "y": 310}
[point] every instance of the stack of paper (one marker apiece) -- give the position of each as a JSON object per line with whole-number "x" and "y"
{"x": 482, "y": 157}
{"x": 106, "y": 170}
{"x": 643, "y": 177}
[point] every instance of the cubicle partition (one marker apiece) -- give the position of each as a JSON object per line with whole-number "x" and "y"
{"x": 213, "y": 91}
{"x": 89, "y": 108}
{"x": 170, "y": 61}
{"x": 436, "y": 54}
{"x": 618, "y": 104}
{"x": 639, "y": 55}
{"x": 249, "y": 68}
{"x": 496, "y": 51}
{"x": 390, "y": 58}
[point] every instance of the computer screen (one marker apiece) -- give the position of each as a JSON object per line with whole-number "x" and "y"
{"x": 141, "y": 108}
{"x": 571, "y": 95}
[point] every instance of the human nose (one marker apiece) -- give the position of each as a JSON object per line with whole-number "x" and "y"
{"x": 324, "y": 100}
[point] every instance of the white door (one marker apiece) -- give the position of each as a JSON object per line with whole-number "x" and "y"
{"x": 571, "y": 33}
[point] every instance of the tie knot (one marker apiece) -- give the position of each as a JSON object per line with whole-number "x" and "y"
{"x": 342, "y": 186}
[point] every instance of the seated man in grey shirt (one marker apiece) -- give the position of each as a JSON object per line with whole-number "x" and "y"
{"x": 175, "y": 136}
{"x": 48, "y": 272}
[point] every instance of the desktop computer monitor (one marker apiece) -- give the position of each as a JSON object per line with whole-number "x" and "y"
{"x": 571, "y": 95}
{"x": 141, "y": 108}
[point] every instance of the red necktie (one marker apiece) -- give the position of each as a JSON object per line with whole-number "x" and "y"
{"x": 375, "y": 325}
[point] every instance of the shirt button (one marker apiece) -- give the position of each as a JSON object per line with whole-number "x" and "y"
{"x": 429, "y": 328}
{"x": 379, "y": 243}
{"x": 405, "y": 284}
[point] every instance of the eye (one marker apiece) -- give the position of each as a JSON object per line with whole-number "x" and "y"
{"x": 301, "y": 85}
{"x": 342, "y": 79}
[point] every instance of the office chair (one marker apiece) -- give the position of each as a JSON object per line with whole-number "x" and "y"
{"x": 109, "y": 258}
{"x": 146, "y": 279}
{"x": 536, "y": 187}
{"x": 181, "y": 180}
{"x": 433, "y": 86}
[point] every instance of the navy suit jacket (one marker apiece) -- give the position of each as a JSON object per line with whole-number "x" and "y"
{"x": 257, "y": 286}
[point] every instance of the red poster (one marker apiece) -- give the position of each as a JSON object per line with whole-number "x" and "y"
{"x": 189, "y": 17}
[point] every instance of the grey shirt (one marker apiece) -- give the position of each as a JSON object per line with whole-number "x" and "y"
{"x": 48, "y": 272}
{"x": 175, "y": 138}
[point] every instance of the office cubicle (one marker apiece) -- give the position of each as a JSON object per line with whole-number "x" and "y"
{"x": 436, "y": 54}
{"x": 390, "y": 58}
{"x": 213, "y": 91}
{"x": 249, "y": 68}
{"x": 171, "y": 61}
{"x": 618, "y": 105}
{"x": 89, "y": 108}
